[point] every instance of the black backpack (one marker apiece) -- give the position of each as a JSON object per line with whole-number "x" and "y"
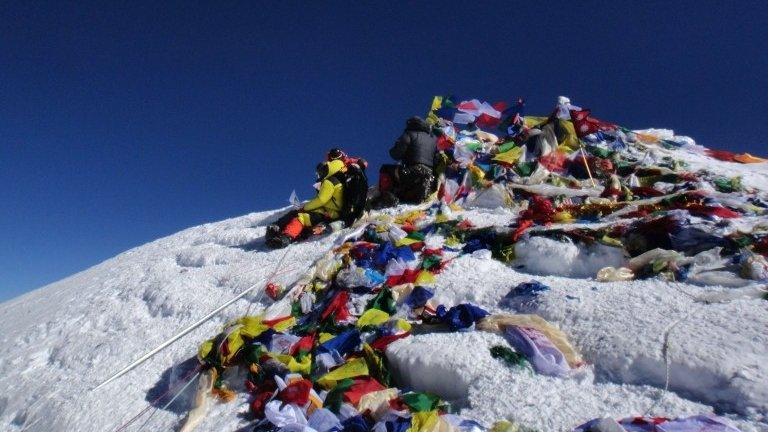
{"x": 355, "y": 184}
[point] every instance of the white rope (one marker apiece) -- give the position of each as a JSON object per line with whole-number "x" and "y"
{"x": 665, "y": 350}
{"x": 269, "y": 279}
{"x": 666, "y": 346}
{"x": 169, "y": 402}
{"x": 173, "y": 339}
{"x": 34, "y": 408}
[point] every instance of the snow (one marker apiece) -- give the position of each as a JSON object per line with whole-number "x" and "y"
{"x": 717, "y": 351}
{"x": 752, "y": 175}
{"x": 60, "y": 341}
{"x": 460, "y": 367}
{"x": 540, "y": 255}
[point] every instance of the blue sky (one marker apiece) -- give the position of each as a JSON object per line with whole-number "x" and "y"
{"x": 123, "y": 123}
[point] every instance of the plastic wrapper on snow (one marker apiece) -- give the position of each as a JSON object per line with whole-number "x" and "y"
{"x": 613, "y": 274}
{"x": 544, "y": 256}
{"x": 700, "y": 423}
{"x": 500, "y": 323}
{"x": 545, "y": 358}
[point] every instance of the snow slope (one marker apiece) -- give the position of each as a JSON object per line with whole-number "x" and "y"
{"x": 60, "y": 341}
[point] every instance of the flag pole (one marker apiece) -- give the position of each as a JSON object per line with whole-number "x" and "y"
{"x": 176, "y": 337}
{"x": 184, "y": 332}
{"x": 586, "y": 165}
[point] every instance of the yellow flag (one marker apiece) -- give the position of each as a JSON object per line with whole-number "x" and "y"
{"x": 563, "y": 217}
{"x": 569, "y": 141}
{"x": 477, "y": 173}
{"x": 504, "y": 426}
{"x": 303, "y": 367}
{"x": 285, "y": 324}
{"x": 252, "y": 326}
{"x": 377, "y": 402}
{"x": 510, "y": 156}
{"x": 425, "y": 421}
{"x": 234, "y": 343}
{"x": 402, "y": 325}
{"x": 205, "y": 349}
{"x": 410, "y": 217}
{"x": 406, "y": 242}
{"x": 353, "y": 368}
{"x": 372, "y": 317}
{"x": 437, "y": 102}
{"x": 425, "y": 278}
{"x": 532, "y": 121}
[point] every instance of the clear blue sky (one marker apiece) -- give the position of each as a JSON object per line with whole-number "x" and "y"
{"x": 123, "y": 123}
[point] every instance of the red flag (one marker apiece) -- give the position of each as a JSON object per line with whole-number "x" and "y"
{"x": 500, "y": 106}
{"x": 408, "y": 276}
{"x": 444, "y": 143}
{"x": 304, "y": 344}
{"x": 276, "y": 321}
{"x": 469, "y": 106}
{"x": 384, "y": 341}
{"x": 586, "y": 125}
{"x": 360, "y": 388}
{"x": 722, "y": 155}
{"x": 297, "y": 392}
{"x": 487, "y": 122}
{"x": 337, "y": 307}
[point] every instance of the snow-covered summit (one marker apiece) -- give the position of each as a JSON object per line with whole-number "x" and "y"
{"x": 58, "y": 342}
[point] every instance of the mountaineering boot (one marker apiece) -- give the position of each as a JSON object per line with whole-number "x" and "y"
{"x": 278, "y": 242}
{"x": 271, "y": 236}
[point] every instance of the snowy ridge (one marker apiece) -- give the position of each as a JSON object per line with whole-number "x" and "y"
{"x": 58, "y": 342}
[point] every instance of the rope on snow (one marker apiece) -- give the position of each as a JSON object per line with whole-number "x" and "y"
{"x": 170, "y": 401}
{"x": 278, "y": 268}
{"x": 165, "y": 393}
{"x": 666, "y": 346}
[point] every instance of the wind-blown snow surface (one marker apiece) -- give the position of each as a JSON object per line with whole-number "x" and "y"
{"x": 58, "y": 342}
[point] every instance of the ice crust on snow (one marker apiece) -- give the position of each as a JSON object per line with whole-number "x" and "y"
{"x": 58, "y": 342}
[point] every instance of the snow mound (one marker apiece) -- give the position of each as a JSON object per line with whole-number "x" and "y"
{"x": 714, "y": 349}
{"x": 459, "y": 367}
{"x": 541, "y": 255}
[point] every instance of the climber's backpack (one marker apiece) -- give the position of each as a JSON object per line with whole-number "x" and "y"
{"x": 355, "y": 185}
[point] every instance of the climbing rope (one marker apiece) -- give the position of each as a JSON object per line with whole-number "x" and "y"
{"x": 194, "y": 371}
{"x": 278, "y": 268}
{"x": 179, "y": 393}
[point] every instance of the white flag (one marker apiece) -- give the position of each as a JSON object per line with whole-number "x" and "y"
{"x": 294, "y": 199}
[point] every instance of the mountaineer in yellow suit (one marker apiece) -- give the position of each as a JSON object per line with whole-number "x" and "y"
{"x": 315, "y": 214}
